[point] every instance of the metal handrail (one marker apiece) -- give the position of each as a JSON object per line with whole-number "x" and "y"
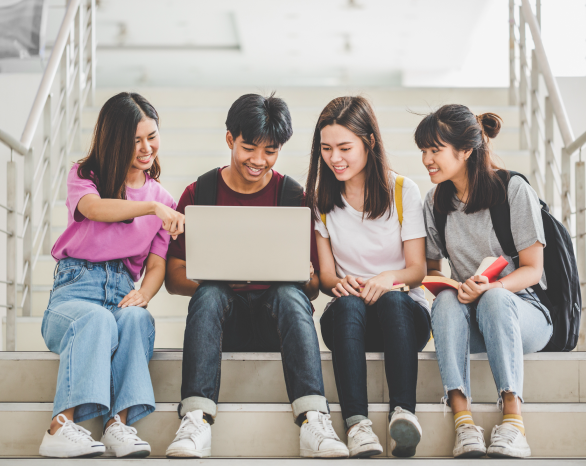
{"x": 49, "y": 76}
{"x": 12, "y": 143}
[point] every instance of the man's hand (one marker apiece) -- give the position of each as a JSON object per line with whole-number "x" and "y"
{"x": 134, "y": 298}
{"x": 375, "y": 287}
{"x": 473, "y": 288}
{"x": 347, "y": 286}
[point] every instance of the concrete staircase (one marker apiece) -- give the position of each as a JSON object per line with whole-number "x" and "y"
{"x": 254, "y": 417}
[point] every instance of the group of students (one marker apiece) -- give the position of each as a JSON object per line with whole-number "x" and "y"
{"x": 371, "y": 231}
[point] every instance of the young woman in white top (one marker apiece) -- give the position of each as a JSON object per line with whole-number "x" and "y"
{"x": 364, "y": 249}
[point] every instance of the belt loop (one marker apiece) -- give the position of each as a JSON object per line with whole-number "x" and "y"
{"x": 55, "y": 270}
{"x": 89, "y": 265}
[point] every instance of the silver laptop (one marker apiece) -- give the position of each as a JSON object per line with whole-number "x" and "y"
{"x": 247, "y": 244}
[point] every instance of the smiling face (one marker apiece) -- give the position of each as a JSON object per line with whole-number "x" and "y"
{"x": 146, "y": 144}
{"x": 343, "y": 152}
{"x": 252, "y": 162}
{"x": 445, "y": 163}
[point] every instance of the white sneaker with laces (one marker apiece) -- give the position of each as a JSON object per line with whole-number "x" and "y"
{"x": 318, "y": 439}
{"x": 508, "y": 442}
{"x": 362, "y": 441}
{"x": 121, "y": 441}
{"x": 194, "y": 437}
{"x": 70, "y": 441}
{"x": 405, "y": 433}
{"x": 469, "y": 442}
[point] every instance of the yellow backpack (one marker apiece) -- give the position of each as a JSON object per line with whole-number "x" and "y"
{"x": 398, "y": 200}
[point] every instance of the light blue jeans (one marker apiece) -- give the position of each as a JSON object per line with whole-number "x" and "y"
{"x": 104, "y": 350}
{"x": 502, "y": 324}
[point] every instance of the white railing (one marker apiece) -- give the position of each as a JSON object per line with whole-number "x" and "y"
{"x": 557, "y": 171}
{"x": 72, "y": 62}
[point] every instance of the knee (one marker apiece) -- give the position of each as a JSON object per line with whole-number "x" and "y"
{"x": 101, "y": 318}
{"x": 136, "y": 317}
{"x": 394, "y": 303}
{"x": 348, "y": 309}
{"x": 495, "y": 306}
{"x": 292, "y": 297}
{"x": 209, "y": 296}
{"x": 444, "y": 303}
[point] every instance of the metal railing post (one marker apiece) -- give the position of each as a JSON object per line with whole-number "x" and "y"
{"x": 11, "y": 254}
{"x": 566, "y": 190}
{"x": 47, "y": 192}
{"x": 512, "y": 64}
{"x": 522, "y": 80}
{"x": 63, "y": 136}
{"x": 534, "y": 147}
{"x": 80, "y": 78}
{"x": 580, "y": 171}
{"x": 27, "y": 239}
{"x": 549, "y": 155}
{"x": 92, "y": 52}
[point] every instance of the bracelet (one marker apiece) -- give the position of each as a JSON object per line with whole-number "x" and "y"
{"x": 502, "y": 284}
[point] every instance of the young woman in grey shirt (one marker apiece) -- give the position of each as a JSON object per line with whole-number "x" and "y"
{"x": 504, "y": 318}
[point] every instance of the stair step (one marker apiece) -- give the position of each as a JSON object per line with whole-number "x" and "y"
{"x": 267, "y": 430}
{"x": 405, "y": 116}
{"x": 258, "y": 377}
{"x": 317, "y": 96}
{"x": 151, "y": 461}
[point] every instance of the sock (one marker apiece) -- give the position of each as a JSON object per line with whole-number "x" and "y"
{"x": 463, "y": 417}
{"x": 515, "y": 420}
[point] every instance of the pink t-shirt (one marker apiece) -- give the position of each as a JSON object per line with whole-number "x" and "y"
{"x": 131, "y": 241}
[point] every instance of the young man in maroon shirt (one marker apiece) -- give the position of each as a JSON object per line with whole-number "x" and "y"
{"x": 234, "y": 318}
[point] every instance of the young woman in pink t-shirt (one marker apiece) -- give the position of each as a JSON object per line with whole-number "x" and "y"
{"x": 120, "y": 220}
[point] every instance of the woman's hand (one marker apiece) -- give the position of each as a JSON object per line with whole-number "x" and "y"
{"x": 134, "y": 298}
{"x": 473, "y": 288}
{"x": 173, "y": 221}
{"x": 347, "y": 286}
{"x": 375, "y": 287}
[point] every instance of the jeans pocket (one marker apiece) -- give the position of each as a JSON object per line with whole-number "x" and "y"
{"x": 68, "y": 275}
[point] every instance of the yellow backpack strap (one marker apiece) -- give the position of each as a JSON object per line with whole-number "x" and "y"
{"x": 323, "y": 219}
{"x": 399, "y": 197}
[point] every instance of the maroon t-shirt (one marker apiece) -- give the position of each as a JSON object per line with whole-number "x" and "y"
{"x": 267, "y": 196}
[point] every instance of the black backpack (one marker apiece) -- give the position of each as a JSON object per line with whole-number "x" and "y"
{"x": 291, "y": 194}
{"x": 563, "y": 297}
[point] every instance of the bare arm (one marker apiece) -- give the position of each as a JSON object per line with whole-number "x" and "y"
{"x": 151, "y": 283}
{"x": 176, "y": 281}
{"x": 327, "y": 275}
{"x": 93, "y": 207}
{"x": 311, "y": 288}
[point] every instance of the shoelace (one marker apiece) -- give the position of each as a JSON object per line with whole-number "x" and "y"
{"x": 322, "y": 426}
{"x": 123, "y": 432}
{"x": 399, "y": 410}
{"x": 363, "y": 427}
{"x": 189, "y": 427}
{"x": 468, "y": 431}
{"x": 504, "y": 433}
{"x": 72, "y": 431}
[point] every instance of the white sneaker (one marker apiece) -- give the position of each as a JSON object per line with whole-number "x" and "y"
{"x": 318, "y": 439}
{"x": 362, "y": 441}
{"x": 469, "y": 442}
{"x": 508, "y": 442}
{"x": 121, "y": 441}
{"x": 70, "y": 441}
{"x": 405, "y": 433}
{"x": 194, "y": 437}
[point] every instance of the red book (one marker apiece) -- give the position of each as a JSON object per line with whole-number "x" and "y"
{"x": 490, "y": 267}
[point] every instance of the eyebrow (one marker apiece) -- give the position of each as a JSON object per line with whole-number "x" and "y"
{"x": 341, "y": 144}
{"x": 272, "y": 146}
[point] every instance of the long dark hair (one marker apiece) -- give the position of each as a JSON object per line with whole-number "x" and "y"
{"x": 112, "y": 148}
{"x": 356, "y": 115}
{"x": 458, "y": 126}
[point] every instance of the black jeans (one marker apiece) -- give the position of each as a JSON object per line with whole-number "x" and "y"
{"x": 278, "y": 319}
{"x": 396, "y": 325}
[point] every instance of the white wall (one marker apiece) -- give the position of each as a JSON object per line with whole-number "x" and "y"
{"x": 573, "y": 91}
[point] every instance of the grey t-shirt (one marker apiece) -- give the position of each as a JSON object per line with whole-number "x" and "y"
{"x": 471, "y": 237}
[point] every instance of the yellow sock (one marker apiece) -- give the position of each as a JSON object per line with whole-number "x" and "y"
{"x": 463, "y": 417}
{"x": 515, "y": 420}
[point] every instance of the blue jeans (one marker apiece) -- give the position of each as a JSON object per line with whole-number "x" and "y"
{"x": 396, "y": 325}
{"x": 278, "y": 319}
{"x": 104, "y": 351}
{"x": 502, "y": 324}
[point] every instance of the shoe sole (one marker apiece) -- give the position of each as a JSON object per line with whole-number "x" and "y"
{"x": 471, "y": 454}
{"x": 137, "y": 454}
{"x": 189, "y": 454}
{"x": 365, "y": 453}
{"x": 324, "y": 454}
{"x": 87, "y": 455}
{"x": 503, "y": 455}
{"x": 406, "y": 436}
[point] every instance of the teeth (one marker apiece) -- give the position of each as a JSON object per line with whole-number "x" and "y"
{"x": 341, "y": 168}
{"x": 433, "y": 170}
{"x": 255, "y": 169}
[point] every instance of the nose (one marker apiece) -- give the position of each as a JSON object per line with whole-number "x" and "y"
{"x": 336, "y": 156}
{"x": 257, "y": 159}
{"x": 145, "y": 146}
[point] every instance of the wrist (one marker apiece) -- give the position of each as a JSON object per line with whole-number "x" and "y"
{"x": 146, "y": 296}
{"x": 153, "y": 208}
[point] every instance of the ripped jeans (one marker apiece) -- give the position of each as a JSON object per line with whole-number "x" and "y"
{"x": 502, "y": 324}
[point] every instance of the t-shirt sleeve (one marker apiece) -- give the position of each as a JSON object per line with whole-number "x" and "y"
{"x": 413, "y": 224}
{"x": 177, "y": 247}
{"x": 526, "y": 221}
{"x": 77, "y": 188}
{"x": 321, "y": 228}
{"x": 433, "y": 244}
{"x": 160, "y": 243}
{"x": 313, "y": 252}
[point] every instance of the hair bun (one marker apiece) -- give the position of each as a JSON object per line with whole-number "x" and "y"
{"x": 491, "y": 124}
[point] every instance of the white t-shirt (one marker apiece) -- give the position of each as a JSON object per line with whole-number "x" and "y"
{"x": 365, "y": 248}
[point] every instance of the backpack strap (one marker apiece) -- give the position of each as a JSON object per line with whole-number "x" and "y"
{"x": 291, "y": 194}
{"x": 323, "y": 219}
{"x": 501, "y": 219}
{"x": 206, "y": 188}
{"x": 399, "y": 197}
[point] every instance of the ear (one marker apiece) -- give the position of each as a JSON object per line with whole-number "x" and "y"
{"x": 229, "y": 140}
{"x": 467, "y": 154}
{"x": 372, "y": 141}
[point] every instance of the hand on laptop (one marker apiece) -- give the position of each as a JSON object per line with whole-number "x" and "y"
{"x": 173, "y": 221}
